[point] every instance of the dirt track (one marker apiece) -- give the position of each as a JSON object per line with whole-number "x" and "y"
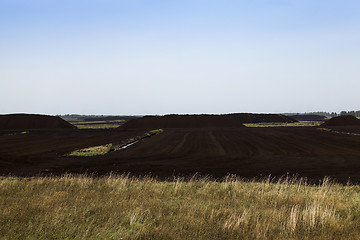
{"x": 248, "y": 152}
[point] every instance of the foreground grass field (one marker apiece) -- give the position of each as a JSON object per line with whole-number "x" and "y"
{"x": 119, "y": 207}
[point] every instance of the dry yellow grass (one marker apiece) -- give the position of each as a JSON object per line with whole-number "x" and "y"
{"x": 119, "y": 207}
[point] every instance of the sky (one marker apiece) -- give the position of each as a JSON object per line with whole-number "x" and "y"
{"x": 138, "y": 57}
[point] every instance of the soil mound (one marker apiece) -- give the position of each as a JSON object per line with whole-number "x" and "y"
{"x": 308, "y": 117}
{"x": 260, "y": 118}
{"x": 183, "y": 121}
{"x": 342, "y": 121}
{"x": 32, "y": 121}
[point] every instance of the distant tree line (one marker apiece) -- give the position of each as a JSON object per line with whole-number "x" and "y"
{"x": 353, "y": 113}
{"x": 329, "y": 114}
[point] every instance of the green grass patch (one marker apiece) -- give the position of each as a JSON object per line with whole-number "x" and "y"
{"x": 106, "y": 148}
{"x": 92, "y": 151}
{"x": 277, "y": 124}
{"x": 18, "y": 133}
{"x": 156, "y": 131}
{"x": 98, "y": 122}
{"x": 96, "y": 126}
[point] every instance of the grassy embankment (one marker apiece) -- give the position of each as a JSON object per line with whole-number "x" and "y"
{"x": 106, "y": 148}
{"x": 119, "y": 207}
{"x": 97, "y": 124}
{"x": 279, "y": 124}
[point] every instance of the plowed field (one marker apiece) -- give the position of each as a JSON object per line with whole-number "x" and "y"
{"x": 248, "y": 152}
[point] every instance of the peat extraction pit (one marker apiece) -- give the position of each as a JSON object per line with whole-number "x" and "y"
{"x": 110, "y": 147}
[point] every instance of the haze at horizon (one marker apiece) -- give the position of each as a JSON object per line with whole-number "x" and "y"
{"x": 157, "y": 57}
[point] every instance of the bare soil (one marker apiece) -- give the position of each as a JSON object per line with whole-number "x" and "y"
{"x": 308, "y": 117}
{"x": 32, "y": 121}
{"x": 262, "y": 118}
{"x": 182, "y": 121}
{"x": 203, "y": 121}
{"x": 217, "y": 151}
{"x": 342, "y": 121}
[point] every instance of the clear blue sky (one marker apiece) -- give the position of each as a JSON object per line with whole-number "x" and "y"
{"x": 179, "y": 56}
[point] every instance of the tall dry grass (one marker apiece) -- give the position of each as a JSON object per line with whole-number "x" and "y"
{"x": 120, "y": 207}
